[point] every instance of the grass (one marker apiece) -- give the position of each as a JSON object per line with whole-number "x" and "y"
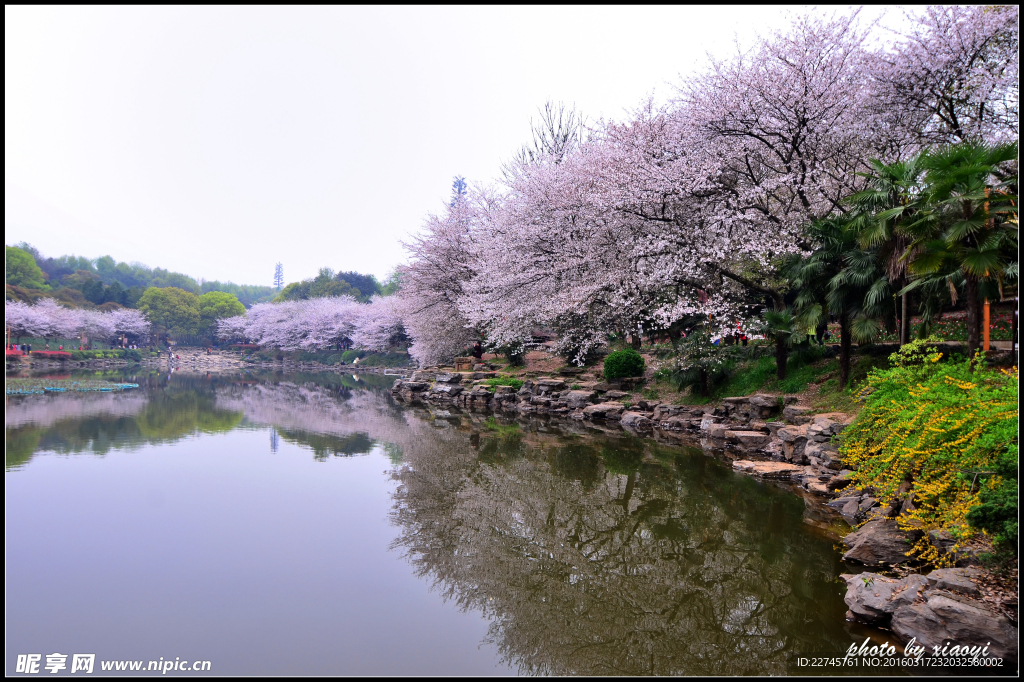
{"x": 503, "y": 380}
{"x": 817, "y": 377}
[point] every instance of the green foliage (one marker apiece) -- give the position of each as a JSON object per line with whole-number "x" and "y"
{"x": 216, "y": 305}
{"x": 129, "y": 354}
{"x": 650, "y": 394}
{"x": 171, "y": 308}
{"x": 623, "y": 363}
{"x": 701, "y": 365}
{"x": 247, "y": 294}
{"x": 996, "y": 513}
{"x": 946, "y": 428}
{"x": 22, "y": 270}
{"x": 328, "y": 284}
{"x": 504, "y": 381}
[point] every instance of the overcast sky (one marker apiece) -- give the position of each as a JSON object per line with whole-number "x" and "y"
{"x": 216, "y": 141}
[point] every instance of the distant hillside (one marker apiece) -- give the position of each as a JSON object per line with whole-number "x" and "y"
{"x": 83, "y": 274}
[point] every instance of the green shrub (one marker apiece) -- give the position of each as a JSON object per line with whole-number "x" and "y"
{"x": 949, "y": 430}
{"x": 623, "y": 363}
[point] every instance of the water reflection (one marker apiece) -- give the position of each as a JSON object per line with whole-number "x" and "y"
{"x": 588, "y": 553}
{"x": 316, "y": 411}
{"x": 618, "y": 556}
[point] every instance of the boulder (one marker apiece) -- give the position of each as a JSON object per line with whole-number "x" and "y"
{"x": 448, "y": 378}
{"x": 841, "y": 480}
{"x": 748, "y": 440}
{"x": 578, "y": 399}
{"x": 450, "y": 390}
{"x": 826, "y": 453}
{"x": 873, "y": 598}
{"x": 717, "y": 431}
{"x": 550, "y": 385}
{"x": 766, "y": 469}
{"x": 676, "y": 424}
{"x": 763, "y": 406}
{"x": 603, "y": 411}
{"x": 635, "y": 420}
{"x": 796, "y": 415}
{"x": 790, "y": 400}
{"x": 878, "y": 542}
{"x": 955, "y": 580}
{"x": 794, "y": 440}
{"x": 663, "y": 412}
{"x": 415, "y": 386}
{"x": 950, "y": 619}
{"x": 615, "y": 395}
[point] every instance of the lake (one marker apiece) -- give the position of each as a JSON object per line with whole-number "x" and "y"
{"x": 308, "y": 524}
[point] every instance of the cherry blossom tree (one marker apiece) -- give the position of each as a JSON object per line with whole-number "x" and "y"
{"x": 442, "y": 262}
{"x": 954, "y": 75}
{"x": 379, "y": 326}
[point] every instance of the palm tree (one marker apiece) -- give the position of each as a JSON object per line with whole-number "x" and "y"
{"x": 844, "y": 279}
{"x": 891, "y": 198}
{"x": 967, "y": 222}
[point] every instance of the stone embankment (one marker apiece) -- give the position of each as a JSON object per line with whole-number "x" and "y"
{"x": 770, "y": 437}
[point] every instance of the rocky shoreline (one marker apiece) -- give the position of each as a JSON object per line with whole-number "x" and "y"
{"x": 770, "y": 437}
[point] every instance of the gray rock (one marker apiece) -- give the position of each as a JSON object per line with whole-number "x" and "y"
{"x": 415, "y": 386}
{"x": 550, "y": 385}
{"x": 448, "y": 378}
{"x": 878, "y": 542}
{"x": 955, "y": 580}
{"x": 790, "y": 400}
{"x": 615, "y": 395}
{"x": 949, "y": 619}
{"x": 578, "y": 399}
{"x": 748, "y": 440}
{"x": 603, "y": 411}
{"x": 763, "y": 406}
{"x": 868, "y": 503}
{"x": 841, "y": 480}
{"x": 717, "y": 431}
{"x": 796, "y": 415}
{"x": 636, "y": 420}
{"x": 450, "y": 390}
{"x": 873, "y": 598}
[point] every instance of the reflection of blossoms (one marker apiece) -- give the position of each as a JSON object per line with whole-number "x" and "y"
{"x": 320, "y": 410}
{"x": 43, "y": 411}
{"x": 667, "y": 570}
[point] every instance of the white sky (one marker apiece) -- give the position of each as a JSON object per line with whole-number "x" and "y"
{"x": 216, "y": 141}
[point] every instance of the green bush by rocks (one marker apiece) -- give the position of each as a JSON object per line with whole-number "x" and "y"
{"x": 623, "y": 363}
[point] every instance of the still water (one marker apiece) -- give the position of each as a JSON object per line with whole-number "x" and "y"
{"x": 307, "y": 524}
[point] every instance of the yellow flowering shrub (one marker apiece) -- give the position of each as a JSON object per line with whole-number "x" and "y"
{"x": 940, "y": 427}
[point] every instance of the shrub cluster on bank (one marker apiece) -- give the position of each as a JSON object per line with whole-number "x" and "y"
{"x": 937, "y": 440}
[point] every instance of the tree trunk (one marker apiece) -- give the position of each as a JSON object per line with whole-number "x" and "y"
{"x": 781, "y": 354}
{"x": 844, "y": 350}
{"x": 905, "y": 321}
{"x": 973, "y": 316}
{"x": 635, "y": 341}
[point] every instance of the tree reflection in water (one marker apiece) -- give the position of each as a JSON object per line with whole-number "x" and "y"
{"x": 618, "y": 556}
